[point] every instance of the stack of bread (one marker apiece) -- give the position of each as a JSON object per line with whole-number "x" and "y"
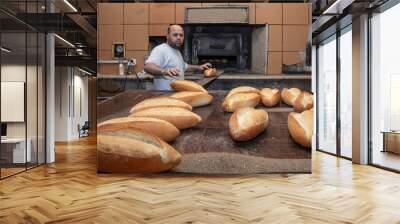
{"x": 191, "y": 93}
{"x": 247, "y": 122}
{"x": 138, "y": 143}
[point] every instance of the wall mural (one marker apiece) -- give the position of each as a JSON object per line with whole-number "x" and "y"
{"x": 225, "y": 90}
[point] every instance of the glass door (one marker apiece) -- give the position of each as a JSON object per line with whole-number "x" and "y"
{"x": 326, "y": 90}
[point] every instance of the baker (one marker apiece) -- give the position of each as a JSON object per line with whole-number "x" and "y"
{"x": 166, "y": 63}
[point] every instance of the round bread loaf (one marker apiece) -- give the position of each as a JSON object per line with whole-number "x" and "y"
{"x": 246, "y": 123}
{"x": 270, "y": 97}
{"x": 304, "y": 102}
{"x": 290, "y": 95}
{"x": 301, "y": 127}
{"x": 211, "y": 72}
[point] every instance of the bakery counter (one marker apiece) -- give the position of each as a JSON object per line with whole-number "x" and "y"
{"x": 208, "y": 147}
{"x": 110, "y": 85}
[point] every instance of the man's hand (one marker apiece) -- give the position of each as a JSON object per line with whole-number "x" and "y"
{"x": 205, "y": 66}
{"x": 171, "y": 72}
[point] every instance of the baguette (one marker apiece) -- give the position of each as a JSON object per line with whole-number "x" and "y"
{"x": 246, "y": 123}
{"x": 240, "y": 100}
{"x": 270, "y": 97}
{"x": 134, "y": 151}
{"x": 304, "y": 102}
{"x": 177, "y": 116}
{"x": 290, "y": 95}
{"x": 157, "y": 127}
{"x": 160, "y": 101}
{"x": 186, "y": 85}
{"x": 242, "y": 89}
{"x": 301, "y": 127}
{"x": 195, "y": 99}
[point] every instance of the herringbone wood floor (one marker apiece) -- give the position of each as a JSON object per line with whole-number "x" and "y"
{"x": 70, "y": 191}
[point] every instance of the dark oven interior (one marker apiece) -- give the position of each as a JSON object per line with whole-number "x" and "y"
{"x": 224, "y": 46}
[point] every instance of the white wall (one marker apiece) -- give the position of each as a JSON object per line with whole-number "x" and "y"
{"x": 71, "y": 93}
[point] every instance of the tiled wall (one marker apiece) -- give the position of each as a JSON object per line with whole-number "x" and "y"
{"x": 134, "y": 23}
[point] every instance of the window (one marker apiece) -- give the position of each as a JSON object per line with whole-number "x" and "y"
{"x": 385, "y": 88}
{"x": 326, "y": 91}
{"x": 346, "y": 92}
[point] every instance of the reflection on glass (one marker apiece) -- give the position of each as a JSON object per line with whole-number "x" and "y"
{"x": 385, "y": 86}
{"x": 327, "y": 96}
{"x": 31, "y": 97}
{"x": 346, "y": 94}
{"x": 14, "y": 153}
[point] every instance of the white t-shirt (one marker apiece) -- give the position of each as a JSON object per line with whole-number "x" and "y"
{"x": 167, "y": 57}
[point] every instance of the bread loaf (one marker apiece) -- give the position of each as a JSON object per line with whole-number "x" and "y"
{"x": 304, "y": 102}
{"x": 157, "y": 127}
{"x": 134, "y": 151}
{"x": 242, "y": 89}
{"x": 211, "y": 72}
{"x": 301, "y": 127}
{"x": 246, "y": 123}
{"x": 177, "y": 116}
{"x": 159, "y": 102}
{"x": 186, "y": 85}
{"x": 195, "y": 99}
{"x": 270, "y": 97}
{"x": 290, "y": 95}
{"x": 240, "y": 100}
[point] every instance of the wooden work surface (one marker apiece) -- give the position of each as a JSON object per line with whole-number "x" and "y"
{"x": 208, "y": 147}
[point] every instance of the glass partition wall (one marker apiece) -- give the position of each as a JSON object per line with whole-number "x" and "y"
{"x": 334, "y": 94}
{"x": 22, "y": 77}
{"x": 385, "y": 89}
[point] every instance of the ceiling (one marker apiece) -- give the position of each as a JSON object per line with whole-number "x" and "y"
{"x": 77, "y": 22}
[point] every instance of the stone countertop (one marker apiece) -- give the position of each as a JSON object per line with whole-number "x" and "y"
{"x": 227, "y": 76}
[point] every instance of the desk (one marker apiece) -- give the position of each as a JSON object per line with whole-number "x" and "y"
{"x": 391, "y": 141}
{"x": 18, "y": 150}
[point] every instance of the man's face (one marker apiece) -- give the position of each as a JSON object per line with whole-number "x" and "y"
{"x": 175, "y": 37}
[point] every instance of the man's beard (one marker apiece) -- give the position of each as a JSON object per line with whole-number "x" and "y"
{"x": 175, "y": 45}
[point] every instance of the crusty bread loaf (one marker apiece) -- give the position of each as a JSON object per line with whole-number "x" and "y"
{"x": 270, "y": 97}
{"x": 134, "y": 151}
{"x": 242, "y": 89}
{"x": 304, "y": 102}
{"x": 290, "y": 95}
{"x": 177, "y": 116}
{"x": 301, "y": 127}
{"x": 195, "y": 99}
{"x": 157, "y": 127}
{"x": 211, "y": 72}
{"x": 186, "y": 85}
{"x": 246, "y": 123}
{"x": 240, "y": 100}
{"x": 160, "y": 102}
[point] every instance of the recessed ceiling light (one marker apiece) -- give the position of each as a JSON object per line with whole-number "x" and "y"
{"x": 70, "y": 5}
{"x": 5, "y": 50}
{"x": 65, "y": 41}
